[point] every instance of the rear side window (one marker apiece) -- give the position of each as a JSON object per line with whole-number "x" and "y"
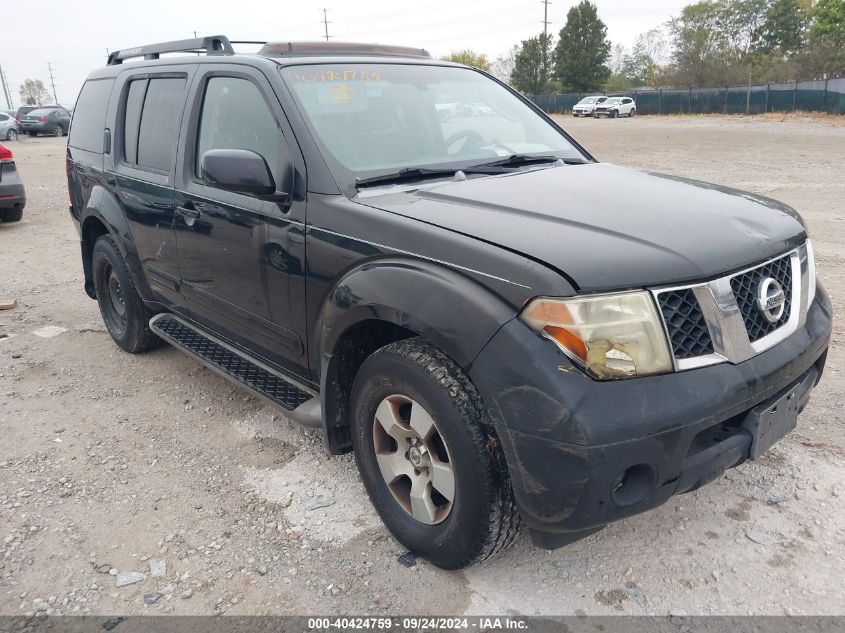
{"x": 89, "y": 121}
{"x": 153, "y": 110}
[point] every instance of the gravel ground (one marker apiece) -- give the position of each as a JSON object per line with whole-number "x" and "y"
{"x": 147, "y": 484}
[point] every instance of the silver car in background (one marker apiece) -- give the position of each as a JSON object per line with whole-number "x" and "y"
{"x": 8, "y": 127}
{"x": 586, "y": 106}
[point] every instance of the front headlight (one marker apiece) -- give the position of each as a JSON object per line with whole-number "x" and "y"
{"x": 611, "y": 336}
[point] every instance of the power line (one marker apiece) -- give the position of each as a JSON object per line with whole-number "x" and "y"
{"x": 326, "y": 24}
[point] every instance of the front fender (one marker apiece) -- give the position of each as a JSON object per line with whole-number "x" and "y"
{"x": 446, "y": 307}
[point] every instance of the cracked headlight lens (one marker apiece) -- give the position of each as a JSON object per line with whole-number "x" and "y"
{"x": 610, "y": 336}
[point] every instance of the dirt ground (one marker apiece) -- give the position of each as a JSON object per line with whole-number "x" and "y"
{"x": 111, "y": 463}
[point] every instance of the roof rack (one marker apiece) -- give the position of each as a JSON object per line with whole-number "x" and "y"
{"x": 211, "y": 45}
{"x": 292, "y": 49}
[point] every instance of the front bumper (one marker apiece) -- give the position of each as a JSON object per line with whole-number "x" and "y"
{"x": 572, "y": 443}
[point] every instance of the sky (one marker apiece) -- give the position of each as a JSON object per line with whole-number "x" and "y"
{"x": 75, "y": 38}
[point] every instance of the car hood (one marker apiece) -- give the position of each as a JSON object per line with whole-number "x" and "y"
{"x": 606, "y": 227}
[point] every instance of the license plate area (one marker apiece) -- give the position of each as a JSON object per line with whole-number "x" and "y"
{"x": 771, "y": 420}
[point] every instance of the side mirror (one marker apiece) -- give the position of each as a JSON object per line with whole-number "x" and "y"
{"x": 237, "y": 170}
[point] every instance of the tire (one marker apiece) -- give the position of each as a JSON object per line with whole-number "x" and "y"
{"x": 123, "y": 311}
{"x": 481, "y": 518}
{"x": 632, "y": 113}
{"x": 12, "y": 135}
{"x": 11, "y": 215}
{"x": 33, "y": 134}
{"x": 614, "y": 114}
{"x": 59, "y": 131}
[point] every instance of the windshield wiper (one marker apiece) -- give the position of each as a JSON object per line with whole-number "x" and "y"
{"x": 419, "y": 173}
{"x": 517, "y": 160}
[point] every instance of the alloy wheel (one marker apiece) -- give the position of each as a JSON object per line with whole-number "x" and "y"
{"x": 413, "y": 459}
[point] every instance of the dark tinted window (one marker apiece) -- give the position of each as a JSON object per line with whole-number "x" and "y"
{"x": 87, "y": 130}
{"x": 132, "y": 119}
{"x": 4, "y": 117}
{"x": 160, "y": 122}
{"x": 235, "y": 116}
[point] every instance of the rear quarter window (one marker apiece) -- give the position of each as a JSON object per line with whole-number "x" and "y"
{"x": 89, "y": 120}
{"x": 159, "y": 126}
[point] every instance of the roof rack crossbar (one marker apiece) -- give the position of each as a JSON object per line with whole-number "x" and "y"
{"x": 211, "y": 45}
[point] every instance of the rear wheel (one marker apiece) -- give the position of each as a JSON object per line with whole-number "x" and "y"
{"x": 428, "y": 458}
{"x": 123, "y": 311}
{"x": 59, "y": 131}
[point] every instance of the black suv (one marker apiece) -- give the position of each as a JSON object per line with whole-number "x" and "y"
{"x": 504, "y": 330}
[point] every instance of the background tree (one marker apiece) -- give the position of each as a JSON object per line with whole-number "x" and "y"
{"x": 642, "y": 66}
{"x": 825, "y": 56}
{"x": 502, "y": 67}
{"x": 583, "y": 49}
{"x": 698, "y": 45}
{"x": 532, "y": 65}
{"x": 783, "y": 30}
{"x": 33, "y": 92}
{"x": 469, "y": 58}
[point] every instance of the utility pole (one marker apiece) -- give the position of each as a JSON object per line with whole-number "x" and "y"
{"x": 546, "y": 4}
{"x": 5, "y": 90}
{"x": 326, "y": 24}
{"x": 545, "y": 51}
{"x": 53, "y": 83}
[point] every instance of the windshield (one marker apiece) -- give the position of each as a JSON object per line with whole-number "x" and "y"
{"x": 374, "y": 119}
{"x": 614, "y": 100}
{"x": 588, "y": 100}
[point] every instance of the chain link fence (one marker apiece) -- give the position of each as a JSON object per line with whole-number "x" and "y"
{"x": 824, "y": 95}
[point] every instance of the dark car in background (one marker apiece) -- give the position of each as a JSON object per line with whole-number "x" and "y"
{"x": 26, "y": 109}
{"x": 49, "y": 120}
{"x": 12, "y": 194}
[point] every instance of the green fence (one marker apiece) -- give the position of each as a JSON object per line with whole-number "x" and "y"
{"x": 825, "y": 95}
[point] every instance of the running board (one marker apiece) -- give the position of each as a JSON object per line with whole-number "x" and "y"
{"x": 299, "y": 403}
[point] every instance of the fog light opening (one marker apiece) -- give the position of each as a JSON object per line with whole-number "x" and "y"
{"x": 633, "y": 485}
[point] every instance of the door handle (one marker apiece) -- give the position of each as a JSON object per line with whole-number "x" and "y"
{"x": 189, "y": 215}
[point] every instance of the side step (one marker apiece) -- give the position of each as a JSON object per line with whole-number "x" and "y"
{"x": 300, "y": 403}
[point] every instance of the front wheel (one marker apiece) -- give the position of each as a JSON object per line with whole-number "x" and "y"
{"x": 633, "y": 112}
{"x": 429, "y": 460}
{"x": 123, "y": 310}
{"x": 12, "y": 135}
{"x": 614, "y": 114}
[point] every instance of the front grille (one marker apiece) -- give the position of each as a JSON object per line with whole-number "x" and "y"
{"x": 685, "y": 324}
{"x": 746, "y": 287}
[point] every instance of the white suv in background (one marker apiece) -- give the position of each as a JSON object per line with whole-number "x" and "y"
{"x": 586, "y": 106}
{"x": 616, "y": 106}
